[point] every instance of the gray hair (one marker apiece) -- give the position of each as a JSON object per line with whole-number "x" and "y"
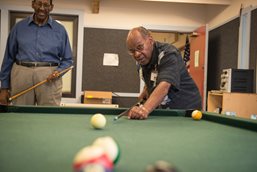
{"x": 143, "y": 31}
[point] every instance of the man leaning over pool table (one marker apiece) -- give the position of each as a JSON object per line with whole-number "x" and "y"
{"x": 167, "y": 81}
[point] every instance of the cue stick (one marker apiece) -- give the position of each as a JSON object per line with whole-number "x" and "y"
{"x": 38, "y": 84}
{"x": 126, "y": 111}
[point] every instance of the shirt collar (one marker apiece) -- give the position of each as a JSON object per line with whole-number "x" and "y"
{"x": 49, "y": 21}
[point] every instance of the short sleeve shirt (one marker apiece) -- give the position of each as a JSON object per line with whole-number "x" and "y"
{"x": 169, "y": 66}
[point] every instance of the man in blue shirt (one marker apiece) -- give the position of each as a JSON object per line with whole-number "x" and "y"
{"x": 37, "y": 48}
{"x": 167, "y": 81}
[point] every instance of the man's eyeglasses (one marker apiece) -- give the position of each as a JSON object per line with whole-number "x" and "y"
{"x": 139, "y": 48}
{"x": 40, "y": 4}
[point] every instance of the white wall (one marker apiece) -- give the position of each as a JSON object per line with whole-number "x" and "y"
{"x": 129, "y": 13}
{"x": 124, "y": 14}
{"x": 228, "y": 13}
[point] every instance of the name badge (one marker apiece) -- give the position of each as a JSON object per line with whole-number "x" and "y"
{"x": 154, "y": 76}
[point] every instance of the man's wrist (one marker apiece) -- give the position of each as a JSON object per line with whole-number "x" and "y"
{"x": 145, "y": 109}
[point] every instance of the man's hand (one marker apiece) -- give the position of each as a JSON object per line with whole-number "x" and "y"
{"x": 138, "y": 112}
{"x": 52, "y": 76}
{"x": 4, "y": 96}
{"x": 157, "y": 96}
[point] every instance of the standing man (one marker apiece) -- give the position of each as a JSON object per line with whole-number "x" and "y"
{"x": 37, "y": 48}
{"x": 167, "y": 81}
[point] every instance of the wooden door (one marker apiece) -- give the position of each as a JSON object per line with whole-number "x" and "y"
{"x": 198, "y": 45}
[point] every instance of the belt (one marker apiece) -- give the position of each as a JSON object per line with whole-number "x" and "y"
{"x": 36, "y": 64}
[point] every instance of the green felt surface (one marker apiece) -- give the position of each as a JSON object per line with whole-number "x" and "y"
{"x": 48, "y": 142}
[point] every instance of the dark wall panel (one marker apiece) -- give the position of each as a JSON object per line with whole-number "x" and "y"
{"x": 123, "y": 78}
{"x": 124, "y": 102}
{"x": 253, "y": 45}
{"x": 222, "y": 52}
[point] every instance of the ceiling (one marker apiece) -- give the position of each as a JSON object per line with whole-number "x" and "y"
{"x": 214, "y": 2}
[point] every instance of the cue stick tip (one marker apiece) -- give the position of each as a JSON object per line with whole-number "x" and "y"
{"x": 115, "y": 118}
{"x": 119, "y": 116}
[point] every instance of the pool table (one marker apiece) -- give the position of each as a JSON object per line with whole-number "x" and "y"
{"x": 46, "y": 139}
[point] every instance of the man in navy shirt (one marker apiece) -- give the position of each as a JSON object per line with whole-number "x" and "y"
{"x": 37, "y": 48}
{"x": 167, "y": 81}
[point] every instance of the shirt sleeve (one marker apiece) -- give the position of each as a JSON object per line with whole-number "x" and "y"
{"x": 66, "y": 54}
{"x": 169, "y": 71}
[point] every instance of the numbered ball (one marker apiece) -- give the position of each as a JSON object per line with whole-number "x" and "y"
{"x": 98, "y": 121}
{"x": 92, "y": 158}
{"x": 110, "y": 146}
{"x": 197, "y": 115}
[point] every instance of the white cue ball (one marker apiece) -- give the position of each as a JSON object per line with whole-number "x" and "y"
{"x": 98, "y": 121}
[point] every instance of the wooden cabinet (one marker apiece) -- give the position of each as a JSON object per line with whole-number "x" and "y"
{"x": 239, "y": 104}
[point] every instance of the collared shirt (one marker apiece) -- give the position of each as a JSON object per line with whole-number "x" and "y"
{"x": 29, "y": 42}
{"x": 167, "y": 61}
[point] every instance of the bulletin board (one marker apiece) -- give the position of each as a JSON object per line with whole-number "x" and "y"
{"x": 95, "y": 76}
{"x": 222, "y": 52}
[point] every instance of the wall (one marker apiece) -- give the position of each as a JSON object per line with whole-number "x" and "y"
{"x": 223, "y": 45}
{"x": 224, "y": 40}
{"x": 124, "y": 14}
{"x": 253, "y": 46}
{"x": 226, "y": 14}
{"x": 128, "y": 13}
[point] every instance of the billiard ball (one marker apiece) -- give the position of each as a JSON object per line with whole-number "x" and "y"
{"x": 92, "y": 158}
{"x": 197, "y": 115}
{"x": 98, "y": 121}
{"x": 110, "y": 146}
